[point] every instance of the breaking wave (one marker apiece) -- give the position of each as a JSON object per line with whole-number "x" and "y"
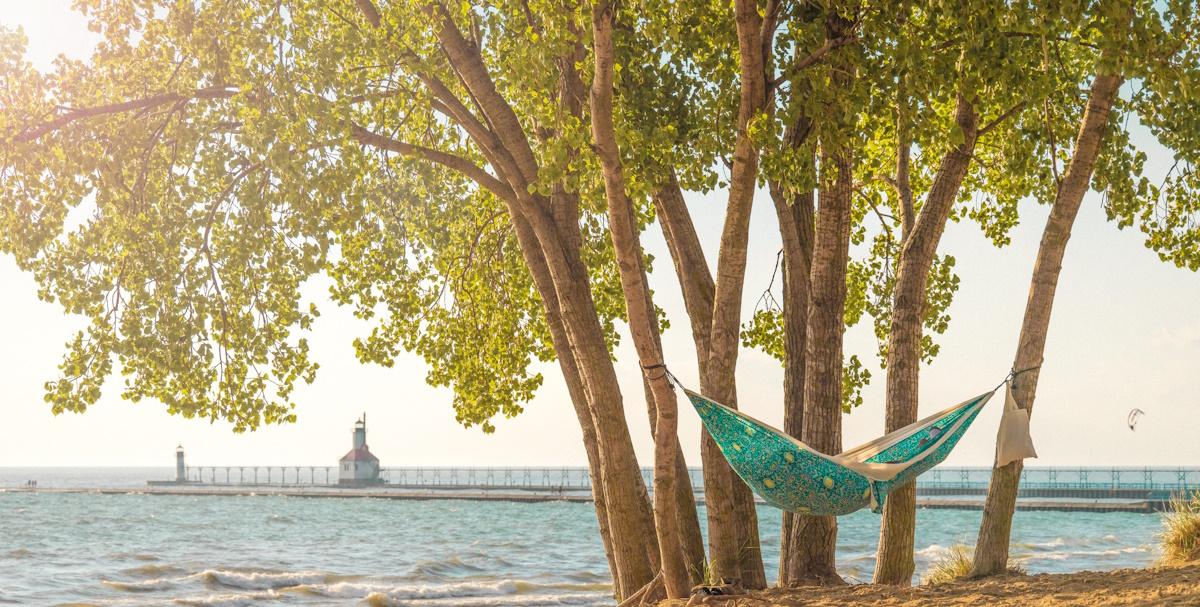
{"x": 144, "y": 586}
{"x": 228, "y": 600}
{"x": 263, "y": 579}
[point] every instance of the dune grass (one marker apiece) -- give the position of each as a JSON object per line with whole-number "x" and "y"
{"x": 957, "y": 566}
{"x": 1181, "y": 530}
{"x": 952, "y": 567}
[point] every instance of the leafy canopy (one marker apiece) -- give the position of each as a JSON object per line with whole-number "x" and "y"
{"x": 180, "y": 187}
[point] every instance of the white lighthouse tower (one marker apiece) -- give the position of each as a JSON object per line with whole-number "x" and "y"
{"x": 359, "y": 466}
{"x": 180, "y": 468}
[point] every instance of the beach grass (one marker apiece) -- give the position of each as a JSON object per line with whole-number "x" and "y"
{"x": 956, "y": 566}
{"x": 1181, "y": 530}
{"x": 953, "y": 567}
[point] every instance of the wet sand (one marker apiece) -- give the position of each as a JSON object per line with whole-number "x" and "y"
{"x": 1157, "y": 586}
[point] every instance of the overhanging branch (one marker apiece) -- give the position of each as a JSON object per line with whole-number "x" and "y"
{"x": 33, "y": 133}
{"x": 813, "y": 58}
{"x": 455, "y": 163}
{"x": 999, "y": 119}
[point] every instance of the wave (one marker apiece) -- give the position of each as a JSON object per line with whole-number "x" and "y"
{"x": 228, "y": 600}
{"x": 1046, "y": 556}
{"x": 263, "y": 579}
{"x": 134, "y": 556}
{"x": 932, "y": 551}
{"x": 588, "y": 576}
{"x": 153, "y": 570}
{"x": 441, "y": 569}
{"x": 18, "y": 553}
{"x": 513, "y": 589}
{"x": 1054, "y": 543}
{"x": 1072, "y": 541}
{"x": 438, "y": 591}
{"x": 143, "y": 586}
{"x": 380, "y": 599}
{"x": 1128, "y": 550}
{"x": 1115, "y": 551}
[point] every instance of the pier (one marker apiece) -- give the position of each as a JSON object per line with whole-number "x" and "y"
{"x": 359, "y": 474}
{"x": 1066, "y": 489}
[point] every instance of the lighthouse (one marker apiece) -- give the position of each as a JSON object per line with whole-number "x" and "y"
{"x": 180, "y": 468}
{"x": 359, "y": 466}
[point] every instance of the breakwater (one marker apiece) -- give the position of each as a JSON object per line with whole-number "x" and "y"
{"x": 479, "y": 495}
{"x": 1062, "y": 489}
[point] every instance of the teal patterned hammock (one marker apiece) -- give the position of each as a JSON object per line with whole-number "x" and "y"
{"x": 793, "y": 477}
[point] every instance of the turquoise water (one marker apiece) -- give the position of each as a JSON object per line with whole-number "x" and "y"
{"x": 136, "y": 549}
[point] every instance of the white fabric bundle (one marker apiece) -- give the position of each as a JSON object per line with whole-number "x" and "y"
{"x": 1013, "y": 441}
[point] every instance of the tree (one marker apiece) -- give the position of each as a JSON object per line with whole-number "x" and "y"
{"x": 697, "y": 35}
{"x": 995, "y": 116}
{"x": 1133, "y": 40}
{"x": 994, "y": 530}
{"x": 643, "y": 322}
{"x": 938, "y": 86}
{"x": 233, "y": 151}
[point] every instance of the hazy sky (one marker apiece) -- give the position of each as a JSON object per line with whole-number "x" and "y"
{"x": 1126, "y": 333}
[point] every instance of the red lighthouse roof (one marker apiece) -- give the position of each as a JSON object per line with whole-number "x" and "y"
{"x": 361, "y": 454}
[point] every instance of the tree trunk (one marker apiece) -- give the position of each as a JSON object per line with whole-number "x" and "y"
{"x": 625, "y": 573}
{"x": 550, "y": 243}
{"x": 991, "y": 550}
{"x": 689, "y": 520}
{"x": 733, "y": 521}
{"x": 795, "y": 214}
{"x": 894, "y": 563}
{"x": 625, "y": 490}
{"x": 566, "y": 362}
{"x": 643, "y": 323}
{"x": 691, "y": 267}
{"x": 813, "y": 538}
{"x": 696, "y": 283}
{"x": 690, "y": 538}
{"x": 796, "y": 268}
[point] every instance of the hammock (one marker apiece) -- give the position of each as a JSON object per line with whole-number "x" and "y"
{"x": 792, "y": 476}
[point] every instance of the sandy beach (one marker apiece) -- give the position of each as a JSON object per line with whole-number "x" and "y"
{"x": 1156, "y": 586}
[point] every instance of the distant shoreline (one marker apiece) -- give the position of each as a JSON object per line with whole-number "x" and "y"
{"x": 465, "y": 494}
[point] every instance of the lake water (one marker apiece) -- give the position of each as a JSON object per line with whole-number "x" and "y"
{"x": 137, "y": 549}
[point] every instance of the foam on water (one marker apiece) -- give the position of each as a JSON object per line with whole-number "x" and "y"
{"x": 143, "y": 586}
{"x": 260, "y": 580}
{"x": 933, "y": 551}
{"x": 433, "y": 591}
{"x": 228, "y": 600}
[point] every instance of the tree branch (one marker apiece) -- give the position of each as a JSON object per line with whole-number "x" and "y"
{"x": 482, "y": 134}
{"x": 450, "y": 161}
{"x": 464, "y": 57}
{"x": 367, "y": 7}
{"x": 33, "y": 133}
{"x": 999, "y": 119}
{"x": 813, "y": 58}
{"x": 904, "y": 144}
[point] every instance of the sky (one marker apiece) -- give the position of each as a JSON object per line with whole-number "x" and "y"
{"x": 1125, "y": 334}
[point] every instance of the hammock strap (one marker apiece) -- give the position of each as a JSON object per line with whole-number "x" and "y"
{"x": 666, "y": 372}
{"x": 1012, "y": 376}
